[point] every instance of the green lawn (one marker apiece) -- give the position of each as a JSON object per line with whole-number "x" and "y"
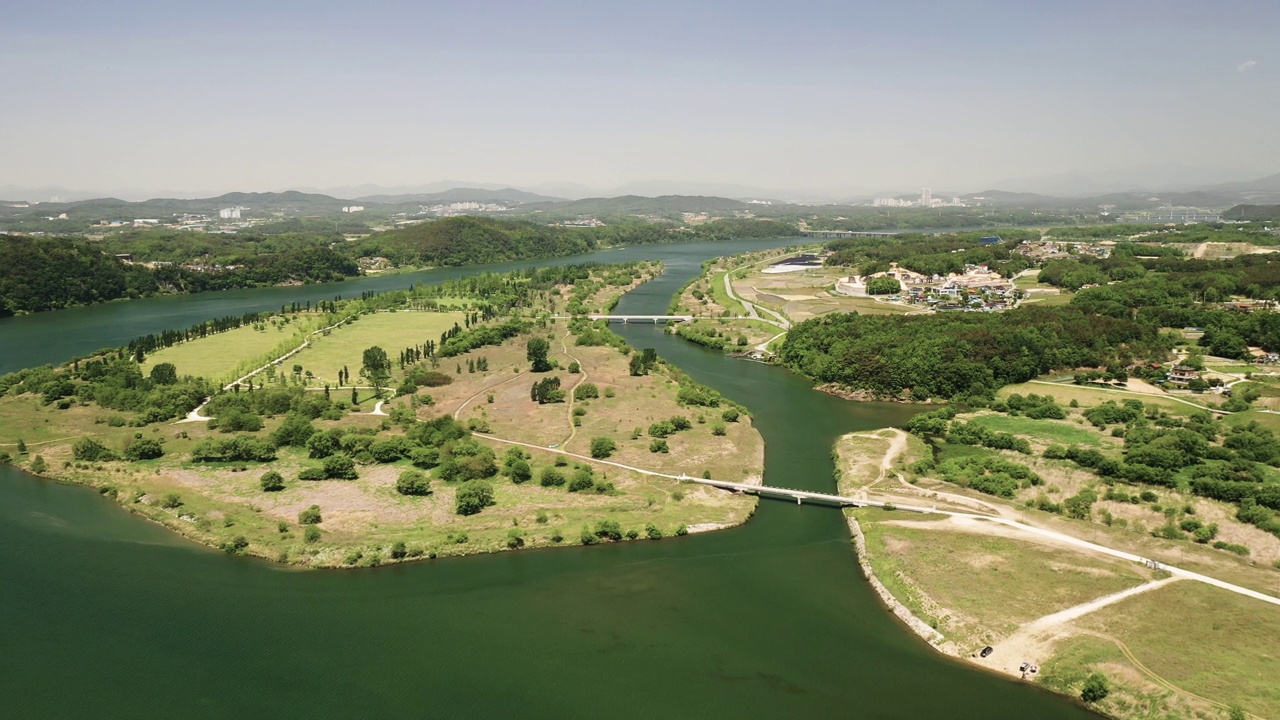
{"x": 1052, "y": 430}
{"x": 392, "y": 332}
{"x": 1265, "y": 419}
{"x": 721, "y": 298}
{"x": 217, "y": 357}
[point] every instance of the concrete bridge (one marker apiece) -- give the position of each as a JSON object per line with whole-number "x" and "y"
{"x": 837, "y": 234}
{"x": 802, "y": 495}
{"x": 624, "y": 319}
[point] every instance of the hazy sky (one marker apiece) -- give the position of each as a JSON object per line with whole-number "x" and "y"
{"x": 838, "y": 97}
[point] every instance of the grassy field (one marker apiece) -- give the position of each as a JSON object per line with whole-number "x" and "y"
{"x": 1058, "y": 431}
{"x": 1265, "y": 419}
{"x": 1201, "y": 639}
{"x": 217, "y": 357}
{"x": 1063, "y": 298}
{"x": 393, "y": 332}
{"x": 1090, "y": 396}
{"x": 975, "y": 588}
{"x": 721, "y": 298}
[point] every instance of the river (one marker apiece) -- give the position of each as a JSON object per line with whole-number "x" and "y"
{"x": 106, "y": 615}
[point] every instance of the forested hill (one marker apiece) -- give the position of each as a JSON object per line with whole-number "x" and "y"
{"x": 48, "y": 273}
{"x": 1253, "y": 212}
{"x": 950, "y": 355}
{"x": 473, "y": 241}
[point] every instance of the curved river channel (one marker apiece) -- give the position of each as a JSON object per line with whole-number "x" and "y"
{"x": 106, "y": 615}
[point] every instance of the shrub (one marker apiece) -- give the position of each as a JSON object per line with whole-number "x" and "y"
{"x": 659, "y": 446}
{"x": 602, "y": 447}
{"x": 236, "y": 545}
{"x": 473, "y": 496}
{"x": 413, "y": 482}
{"x": 90, "y": 450}
{"x": 520, "y": 471}
{"x": 718, "y": 429}
{"x": 238, "y": 421}
{"x": 609, "y": 530}
{"x": 1095, "y": 689}
{"x": 311, "y": 473}
{"x": 296, "y": 430}
{"x": 682, "y": 531}
{"x": 398, "y": 551}
{"x": 581, "y": 481}
{"x": 652, "y": 532}
{"x": 311, "y": 535}
{"x": 661, "y": 429}
{"x": 340, "y": 467}
{"x": 321, "y": 445}
{"x": 586, "y": 391}
{"x": 550, "y": 477}
{"x": 271, "y": 481}
{"x": 171, "y": 501}
{"x": 390, "y": 450}
{"x": 143, "y": 449}
{"x": 310, "y": 516}
{"x": 1232, "y": 548}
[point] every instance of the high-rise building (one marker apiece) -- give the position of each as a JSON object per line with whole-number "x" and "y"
{"x": 926, "y": 197}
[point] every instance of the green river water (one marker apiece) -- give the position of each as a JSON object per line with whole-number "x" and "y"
{"x": 105, "y": 615}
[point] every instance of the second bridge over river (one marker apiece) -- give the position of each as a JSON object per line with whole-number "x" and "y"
{"x": 655, "y": 319}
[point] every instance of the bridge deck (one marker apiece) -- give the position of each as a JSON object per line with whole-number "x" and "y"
{"x": 628, "y": 318}
{"x": 802, "y": 495}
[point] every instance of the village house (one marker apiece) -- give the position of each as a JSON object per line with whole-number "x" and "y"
{"x": 1181, "y": 374}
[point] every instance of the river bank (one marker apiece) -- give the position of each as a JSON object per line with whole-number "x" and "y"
{"x": 658, "y": 627}
{"x": 1040, "y": 598}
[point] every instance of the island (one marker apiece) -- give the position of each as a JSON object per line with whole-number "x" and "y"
{"x": 484, "y": 414}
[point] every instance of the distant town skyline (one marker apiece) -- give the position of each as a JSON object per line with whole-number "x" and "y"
{"x": 814, "y": 100}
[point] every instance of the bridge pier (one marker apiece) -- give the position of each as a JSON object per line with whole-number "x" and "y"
{"x": 798, "y": 500}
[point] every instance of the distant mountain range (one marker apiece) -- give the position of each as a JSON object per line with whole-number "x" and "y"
{"x": 292, "y": 203}
{"x": 452, "y": 195}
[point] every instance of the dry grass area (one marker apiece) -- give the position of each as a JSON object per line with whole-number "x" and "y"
{"x": 1087, "y": 397}
{"x": 975, "y": 587}
{"x": 637, "y": 402}
{"x": 1186, "y": 648}
{"x": 807, "y": 294}
{"x": 858, "y": 460}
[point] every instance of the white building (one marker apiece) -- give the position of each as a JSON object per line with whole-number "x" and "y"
{"x": 926, "y": 197}
{"x": 352, "y": 208}
{"x": 232, "y": 213}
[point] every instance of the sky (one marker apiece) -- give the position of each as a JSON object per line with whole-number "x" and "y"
{"x": 827, "y": 99}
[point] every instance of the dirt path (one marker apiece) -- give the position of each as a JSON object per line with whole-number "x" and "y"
{"x": 573, "y": 429}
{"x": 781, "y": 322}
{"x": 1033, "y": 641}
{"x": 457, "y": 414}
{"x": 898, "y": 445}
